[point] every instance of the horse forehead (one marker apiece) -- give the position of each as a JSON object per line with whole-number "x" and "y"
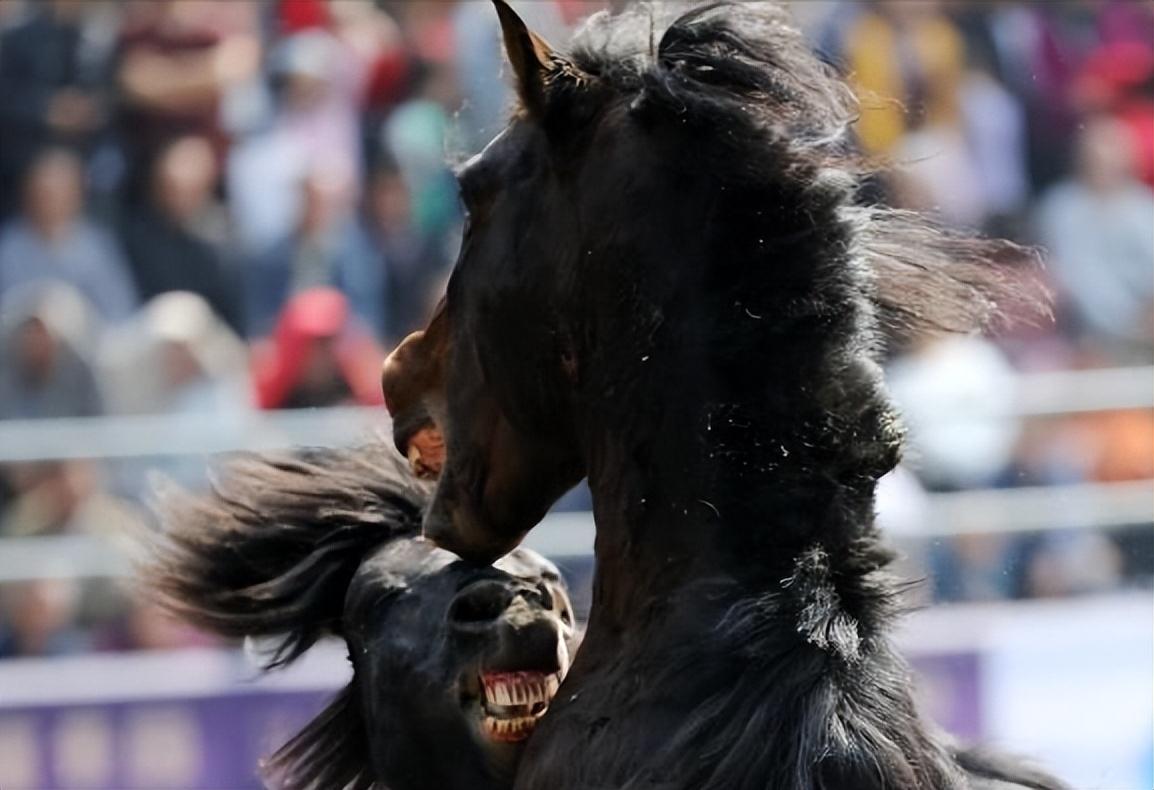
{"x": 402, "y": 562}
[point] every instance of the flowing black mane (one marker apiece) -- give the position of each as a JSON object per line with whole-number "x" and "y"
{"x": 787, "y": 121}
{"x": 797, "y": 279}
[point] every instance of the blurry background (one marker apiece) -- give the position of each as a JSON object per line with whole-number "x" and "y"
{"x": 215, "y": 216}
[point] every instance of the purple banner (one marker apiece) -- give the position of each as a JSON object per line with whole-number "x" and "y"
{"x": 208, "y": 743}
{"x": 949, "y": 692}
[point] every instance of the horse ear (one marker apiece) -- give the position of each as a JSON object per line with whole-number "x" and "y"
{"x": 534, "y": 62}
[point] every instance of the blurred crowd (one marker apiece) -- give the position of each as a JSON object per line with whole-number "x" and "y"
{"x": 213, "y": 207}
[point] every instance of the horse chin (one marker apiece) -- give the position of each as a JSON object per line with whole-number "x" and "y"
{"x": 504, "y": 707}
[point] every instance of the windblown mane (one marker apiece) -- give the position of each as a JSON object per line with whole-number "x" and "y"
{"x": 270, "y": 552}
{"x": 802, "y": 284}
{"x": 743, "y": 68}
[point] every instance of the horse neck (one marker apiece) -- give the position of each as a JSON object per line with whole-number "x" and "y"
{"x": 738, "y": 417}
{"x": 684, "y": 511}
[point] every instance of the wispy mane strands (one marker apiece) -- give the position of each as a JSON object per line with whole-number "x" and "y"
{"x": 271, "y": 549}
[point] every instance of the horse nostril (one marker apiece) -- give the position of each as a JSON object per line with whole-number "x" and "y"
{"x": 479, "y": 603}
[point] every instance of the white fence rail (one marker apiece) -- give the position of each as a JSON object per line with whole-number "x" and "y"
{"x": 1038, "y": 394}
{"x": 1002, "y": 511}
{"x": 1081, "y": 506}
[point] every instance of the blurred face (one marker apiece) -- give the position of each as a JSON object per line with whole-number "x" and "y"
{"x": 1105, "y": 155}
{"x": 37, "y": 609}
{"x": 303, "y": 90}
{"x": 390, "y": 204}
{"x": 53, "y": 193}
{"x": 324, "y": 200}
{"x": 184, "y": 178}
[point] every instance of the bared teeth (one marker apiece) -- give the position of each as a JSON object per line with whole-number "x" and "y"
{"x": 523, "y": 697}
{"x": 509, "y": 730}
{"x": 520, "y": 689}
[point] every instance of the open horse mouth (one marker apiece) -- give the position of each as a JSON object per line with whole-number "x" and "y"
{"x": 425, "y": 450}
{"x": 508, "y": 704}
{"x": 513, "y": 701}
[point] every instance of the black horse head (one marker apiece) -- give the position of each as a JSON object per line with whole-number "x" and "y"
{"x": 664, "y": 239}
{"x": 453, "y": 663}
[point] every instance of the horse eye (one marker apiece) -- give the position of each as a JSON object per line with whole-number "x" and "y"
{"x": 566, "y": 618}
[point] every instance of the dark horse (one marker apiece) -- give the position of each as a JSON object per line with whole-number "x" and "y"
{"x": 453, "y": 663}
{"x": 667, "y": 284}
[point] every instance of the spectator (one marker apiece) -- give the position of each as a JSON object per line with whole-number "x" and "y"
{"x": 414, "y": 263}
{"x": 1118, "y": 80}
{"x": 54, "y": 77}
{"x": 418, "y": 137}
{"x": 66, "y": 497}
{"x": 323, "y": 250}
{"x": 177, "y": 62}
{"x": 39, "y": 619}
{"x": 906, "y": 61}
{"x": 148, "y": 626}
{"x": 196, "y": 364}
{"x": 948, "y": 390}
{"x": 314, "y": 128}
{"x": 177, "y": 241}
{"x": 1096, "y": 227}
{"x": 51, "y": 240}
{"x": 977, "y": 567}
{"x": 1072, "y": 563}
{"x": 44, "y": 369}
{"x": 319, "y": 355}
{"x": 994, "y": 128}
{"x": 177, "y": 358}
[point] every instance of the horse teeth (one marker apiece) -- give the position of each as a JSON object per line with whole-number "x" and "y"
{"x": 509, "y": 729}
{"x": 525, "y": 689}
